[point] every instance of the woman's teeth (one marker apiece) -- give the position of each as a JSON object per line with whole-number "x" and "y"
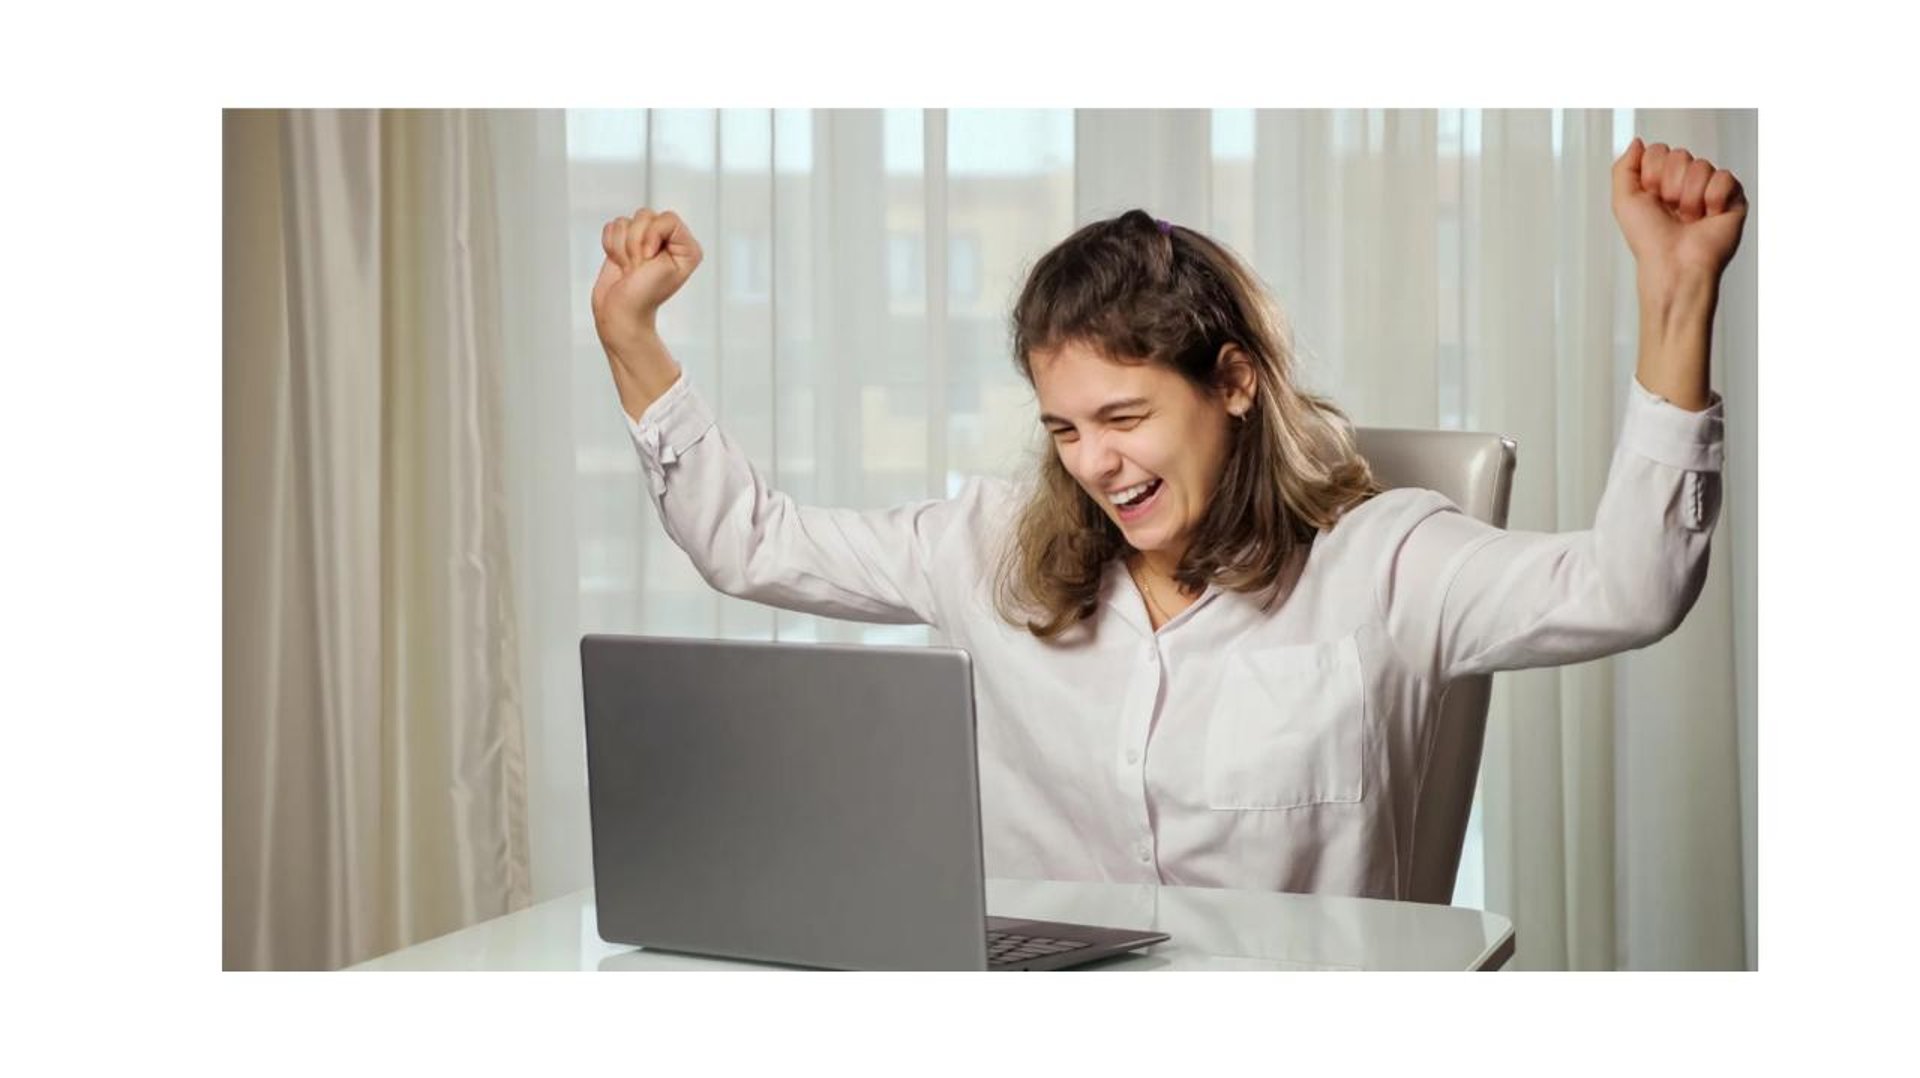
{"x": 1131, "y": 495}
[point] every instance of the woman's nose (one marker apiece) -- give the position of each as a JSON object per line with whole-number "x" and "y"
{"x": 1101, "y": 459}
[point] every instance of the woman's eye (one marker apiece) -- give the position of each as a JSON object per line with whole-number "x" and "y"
{"x": 1127, "y": 422}
{"x": 1062, "y": 432}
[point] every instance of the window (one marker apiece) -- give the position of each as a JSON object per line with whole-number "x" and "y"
{"x": 963, "y": 268}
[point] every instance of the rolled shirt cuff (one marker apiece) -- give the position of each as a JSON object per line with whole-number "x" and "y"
{"x": 667, "y": 429}
{"x": 1659, "y": 430}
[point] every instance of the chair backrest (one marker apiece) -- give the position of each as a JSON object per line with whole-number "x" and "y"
{"x": 1475, "y": 471}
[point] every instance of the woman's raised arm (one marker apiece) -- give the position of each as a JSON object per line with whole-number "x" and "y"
{"x": 649, "y": 256}
{"x": 745, "y": 538}
{"x": 1472, "y": 599}
{"x": 1682, "y": 219}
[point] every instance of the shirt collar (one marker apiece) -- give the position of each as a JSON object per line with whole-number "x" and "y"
{"x": 1118, "y": 593}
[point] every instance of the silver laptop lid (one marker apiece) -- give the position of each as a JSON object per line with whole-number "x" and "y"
{"x": 801, "y": 803}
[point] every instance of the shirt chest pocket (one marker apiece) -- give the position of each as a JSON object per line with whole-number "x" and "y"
{"x": 1287, "y": 728}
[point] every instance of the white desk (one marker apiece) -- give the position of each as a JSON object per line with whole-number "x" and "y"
{"x": 1211, "y": 929}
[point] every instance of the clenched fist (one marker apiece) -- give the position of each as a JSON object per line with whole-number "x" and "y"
{"x": 1681, "y": 216}
{"x": 649, "y": 256}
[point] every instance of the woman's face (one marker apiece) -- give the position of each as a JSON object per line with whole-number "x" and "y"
{"x": 1119, "y": 426}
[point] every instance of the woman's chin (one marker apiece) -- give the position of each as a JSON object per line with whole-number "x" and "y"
{"x": 1145, "y": 540}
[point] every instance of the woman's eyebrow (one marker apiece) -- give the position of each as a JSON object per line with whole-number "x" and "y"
{"x": 1104, "y": 411}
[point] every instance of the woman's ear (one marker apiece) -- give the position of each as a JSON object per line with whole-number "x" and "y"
{"x": 1234, "y": 374}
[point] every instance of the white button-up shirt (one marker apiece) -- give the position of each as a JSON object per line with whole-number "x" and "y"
{"x": 1275, "y": 749}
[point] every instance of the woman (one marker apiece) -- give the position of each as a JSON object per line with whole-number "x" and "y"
{"x": 1209, "y": 650}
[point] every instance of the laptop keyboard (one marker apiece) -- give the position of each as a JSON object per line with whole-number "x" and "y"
{"x": 1006, "y": 948}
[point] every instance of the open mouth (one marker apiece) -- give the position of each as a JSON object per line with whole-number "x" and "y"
{"x": 1135, "y": 501}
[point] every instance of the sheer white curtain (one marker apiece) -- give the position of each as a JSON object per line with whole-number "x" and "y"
{"x": 1449, "y": 268}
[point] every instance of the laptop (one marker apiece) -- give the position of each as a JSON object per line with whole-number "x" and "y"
{"x": 806, "y": 804}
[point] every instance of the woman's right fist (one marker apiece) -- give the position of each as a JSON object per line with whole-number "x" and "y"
{"x": 649, "y": 256}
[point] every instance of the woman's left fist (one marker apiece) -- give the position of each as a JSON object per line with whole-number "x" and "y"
{"x": 1681, "y": 216}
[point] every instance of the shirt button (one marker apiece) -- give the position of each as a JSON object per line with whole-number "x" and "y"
{"x": 1145, "y": 855}
{"x": 1153, "y": 656}
{"x": 1133, "y": 756}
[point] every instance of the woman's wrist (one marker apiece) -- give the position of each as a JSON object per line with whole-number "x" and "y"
{"x": 1676, "y": 335}
{"x": 1677, "y": 290}
{"x": 642, "y": 368}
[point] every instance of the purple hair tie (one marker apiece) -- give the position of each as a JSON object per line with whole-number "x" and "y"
{"x": 1166, "y": 227}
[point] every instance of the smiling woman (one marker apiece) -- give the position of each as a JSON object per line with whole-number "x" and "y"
{"x": 1208, "y": 649}
{"x": 1158, "y": 361}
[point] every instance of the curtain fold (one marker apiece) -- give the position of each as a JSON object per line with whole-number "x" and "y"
{"x": 1510, "y": 374}
{"x": 374, "y": 760}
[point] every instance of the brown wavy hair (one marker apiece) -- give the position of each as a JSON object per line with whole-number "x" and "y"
{"x": 1136, "y": 293}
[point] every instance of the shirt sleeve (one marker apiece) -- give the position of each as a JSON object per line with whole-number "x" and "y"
{"x": 1470, "y": 598}
{"x": 751, "y": 541}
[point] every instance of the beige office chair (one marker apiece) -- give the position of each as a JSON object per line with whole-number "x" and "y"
{"x": 1476, "y": 472}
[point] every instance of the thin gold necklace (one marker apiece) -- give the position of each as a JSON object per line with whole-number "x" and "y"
{"x": 1147, "y": 587}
